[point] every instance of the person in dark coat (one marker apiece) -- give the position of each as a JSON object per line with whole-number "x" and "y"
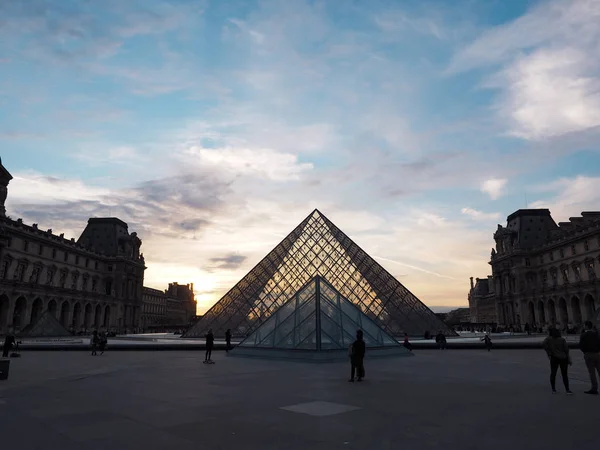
{"x": 228, "y": 340}
{"x": 210, "y": 340}
{"x": 487, "y": 340}
{"x": 357, "y": 355}
{"x": 95, "y": 341}
{"x": 557, "y": 349}
{"x": 440, "y": 339}
{"x": 102, "y": 340}
{"x": 407, "y": 344}
{"x": 9, "y": 340}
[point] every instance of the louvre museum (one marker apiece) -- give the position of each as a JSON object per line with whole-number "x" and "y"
{"x": 312, "y": 292}
{"x": 543, "y": 274}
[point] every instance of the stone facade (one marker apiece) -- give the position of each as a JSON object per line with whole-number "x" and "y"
{"x": 173, "y": 308}
{"x": 94, "y": 282}
{"x": 543, "y": 273}
{"x": 482, "y": 301}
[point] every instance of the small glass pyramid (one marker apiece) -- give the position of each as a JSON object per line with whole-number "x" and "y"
{"x": 316, "y": 247}
{"x": 317, "y": 318}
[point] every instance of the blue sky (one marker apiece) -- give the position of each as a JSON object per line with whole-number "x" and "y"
{"x": 213, "y": 127}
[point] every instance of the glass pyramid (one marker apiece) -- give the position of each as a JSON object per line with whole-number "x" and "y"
{"x": 317, "y": 317}
{"x": 316, "y": 247}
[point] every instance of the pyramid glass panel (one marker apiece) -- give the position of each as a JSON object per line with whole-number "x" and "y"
{"x": 317, "y": 248}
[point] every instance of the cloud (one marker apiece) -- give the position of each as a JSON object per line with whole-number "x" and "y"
{"x": 548, "y": 76}
{"x": 227, "y": 262}
{"x": 494, "y": 187}
{"x": 479, "y": 215}
{"x": 570, "y": 196}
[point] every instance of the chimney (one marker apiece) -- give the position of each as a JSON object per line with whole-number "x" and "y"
{"x": 472, "y": 283}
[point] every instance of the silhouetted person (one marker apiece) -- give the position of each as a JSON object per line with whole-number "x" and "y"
{"x": 407, "y": 344}
{"x": 487, "y": 341}
{"x": 94, "y": 341}
{"x": 589, "y": 344}
{"x": 228, "y": 340}
{"x": 210, "y": 340}
{"x": 102, "y": 340}
{"x": 557, "y": 349}
{"x": 440, "y": 340}
{"x": 357, "y": 355}
{"x": 9, "y": 340}
{"x": 527, "y": 329}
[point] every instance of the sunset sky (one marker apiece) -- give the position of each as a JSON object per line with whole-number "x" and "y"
{"x": 214, "y": 127}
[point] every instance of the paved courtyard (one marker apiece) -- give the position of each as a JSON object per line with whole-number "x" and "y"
{"x": 465, "y": 399}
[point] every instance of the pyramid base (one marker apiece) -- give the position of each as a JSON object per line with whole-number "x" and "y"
{"x": 323, "y": 356}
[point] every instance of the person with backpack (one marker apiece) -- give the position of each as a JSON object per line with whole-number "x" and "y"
{"x": 589, "y": 344}
{"x": 357, "y": 354}
{"x": 557, "y": 349}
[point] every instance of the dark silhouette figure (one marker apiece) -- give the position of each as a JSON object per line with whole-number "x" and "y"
{"x": 102, "y": 342}
{"x": 487, "y": 341}
{"x": 589, "y": 344}
{"x": 228, "y": 340}
{"x": 210, "y": 340}
{"x": 357, "y": 355}
{"x": 9, "y": 340}
{"x": 528, "y": 329}
{"x": 94, "y": 341}
{"x": 407, "y": 344}
{"x": 558, "y": 353}
{"x": 440, "y": 340}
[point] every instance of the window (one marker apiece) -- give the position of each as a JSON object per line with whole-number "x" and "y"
{"x": 544, "y": 278}
{"x": 84, "y": 285}
{"x": 20, "y": 272}
{"x": 551, "y": 256}
{"x": 590, "y": 270}
{"x": 35, "y": 275}
{"x": 562, "y": 253}
{"x": 573, "y": 249}
{"x": 94, "y": 285}
{"x": 66, "y": 256}
{"x": 53, "y": 253}
{"x": 63, "y": 279}
{"x": 577, "y": 272}
{"x": 77, "y": 260}
{"x": 96, "y": 265}
{"x": 554, "y": 275}
{"x": 49, "y": 276}
{"x": 110, "y": 268}
{"x": 4, "y": 269}
{"x": 586, "y": 245}
{"x": 108, "y": 287}
{"x": 527, "y": 262}
{"x": 74, "y": 281}
{"x": 41, "y": 250}
{"x": 25, "y": 245}
{"x": 565, "y": 274}
{"x": 87, "y": 262}
{"x": 541, "y": 259}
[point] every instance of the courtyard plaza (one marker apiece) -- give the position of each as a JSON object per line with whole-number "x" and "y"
{"x": 467, "y": 399}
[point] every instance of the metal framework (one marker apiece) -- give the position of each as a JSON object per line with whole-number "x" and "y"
{"x": 316, "y": 247}
{"x": 317, "y": 318}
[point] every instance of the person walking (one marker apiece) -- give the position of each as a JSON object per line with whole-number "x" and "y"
{"x": 228, "y": 340}
{"x": 407, "y": 344}
{"x": 94, "y": 342}
{"x": 102, "y": 342}
{"x": 589, "y": 344}
{"x": 357, "y": 355}
{"x": 487, "y": 341}
{"x": 9, "y": 340}
{"x": 210, "y": 340}
{"x": 557, "y": 349}
{"x": 440, "y": 340}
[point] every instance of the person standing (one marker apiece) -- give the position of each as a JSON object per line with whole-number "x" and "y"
{"x": 228, "y": 340}
{"x": 557, "y": 349}
{"x": 589, "y": 344}
{"x": 94, "y": 341}
{"x": 357, "y": 355}
{"x": 9, "y": 340}
{"x": 440, "y": 339}
{"x": 407, "y": 344}
{"x": 210, "y": 340}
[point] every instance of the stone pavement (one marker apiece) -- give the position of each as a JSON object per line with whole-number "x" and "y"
{"x": 170, "y": 400}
